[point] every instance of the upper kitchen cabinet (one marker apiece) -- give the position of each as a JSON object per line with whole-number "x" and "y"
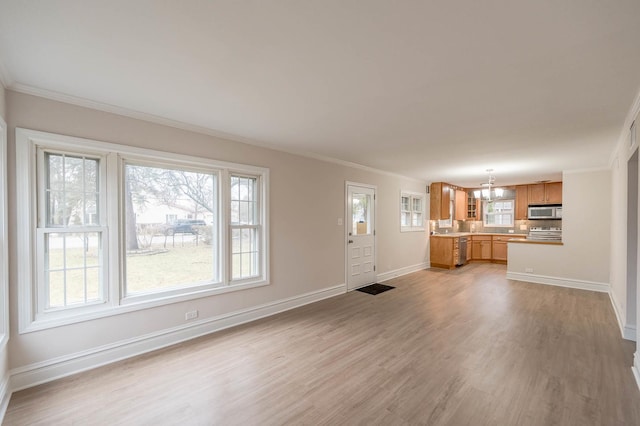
{"x": 461, "y": 205}
{"x": 522, "y": 202}
{"x": 545, "y": 193}
{"x": 554, "y": 192}
{"x": 474, "y": 207}
{"x": 440, "y": 199}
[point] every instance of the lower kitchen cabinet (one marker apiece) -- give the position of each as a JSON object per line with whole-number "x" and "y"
{"x": 444, "y": 252}
{"x": 481, "y": 247}
{"x": 499, "y": 249}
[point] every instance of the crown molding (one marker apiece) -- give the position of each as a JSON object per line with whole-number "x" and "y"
{"x": 125, "y": 112}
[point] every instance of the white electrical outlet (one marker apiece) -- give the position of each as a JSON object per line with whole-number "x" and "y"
{"x": 339, "y": 221}
{"x": 191, "y": 315}
{"x": 528, "y": 270}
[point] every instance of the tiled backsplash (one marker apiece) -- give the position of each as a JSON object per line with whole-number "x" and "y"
{"x": 477, "y": 226}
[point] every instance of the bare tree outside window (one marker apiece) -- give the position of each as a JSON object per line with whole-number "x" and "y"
{"x": 163, "y": 254}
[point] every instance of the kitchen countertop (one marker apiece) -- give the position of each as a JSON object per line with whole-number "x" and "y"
{"x": 468, "y": 234}
{"x": 525, "y": 241}
{"x": 513, "y": 238}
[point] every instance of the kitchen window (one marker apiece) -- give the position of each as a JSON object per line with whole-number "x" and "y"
{"x": 498, "y": 213}
{"x": 412, "y": 205}
{"x": 114, "y": 229}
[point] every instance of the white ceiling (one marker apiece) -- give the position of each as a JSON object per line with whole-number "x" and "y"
{"x": 436, "y": 90}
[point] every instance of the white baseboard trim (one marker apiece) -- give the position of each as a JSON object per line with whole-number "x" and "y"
{"x": 560, "y": 282}
{"x": 385, "y": 276}
{"x": 628, "y": 331}
{"x": 636, "y": 368}
{"x": 46, "y": 371}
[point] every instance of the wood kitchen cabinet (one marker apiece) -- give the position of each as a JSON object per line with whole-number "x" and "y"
{"x": 481, "y": 247}
{"x": 499, "y": 248}
{"x": 461, "y": 205}
{"x": 553, "y": 192}
{"x": 444, "y": 251}
{"x": 440, "y": 197}
{"x": 474, "y": 207}
{"x": 522, "y": 202}
{"x": 545, "y": 193}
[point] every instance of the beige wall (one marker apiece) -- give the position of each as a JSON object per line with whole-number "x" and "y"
{"x": 4, "y": 363}
{"x": 584, "y": 255}
{"x": 307, "y": 251}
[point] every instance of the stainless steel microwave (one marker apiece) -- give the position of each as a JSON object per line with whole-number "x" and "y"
{"x": 549, "y": 211}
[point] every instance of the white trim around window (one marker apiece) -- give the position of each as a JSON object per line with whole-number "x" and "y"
{"x": 412, "y": 211}
{"x": 97, "y": 257}
{"x": 498, "y": 213}
{"x": 4, "y": 250}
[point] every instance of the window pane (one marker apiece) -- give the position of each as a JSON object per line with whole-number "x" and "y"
{"x": 72, "y": 184}
{"x": 244, "y": 249}
{"x": 70, "y": 260}
{"x": 405, "y": 219}
{"x": 405, "y": 203}
{"x": 417, "y": 219}
{"x": 75, "y": 286}
{"x": 93, "y": 284}
{"x": 56, "y": 290}
{"x": 417, "y": 204}
{"x": 244, "y": 202}
{"x": 170, "y": 228}
{"x": 360, "y": 214}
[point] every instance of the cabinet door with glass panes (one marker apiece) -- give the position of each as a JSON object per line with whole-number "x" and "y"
{"x": 474, "y": 206}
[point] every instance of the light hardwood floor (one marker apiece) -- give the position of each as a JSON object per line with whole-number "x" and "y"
{"x": 460, "y": 347}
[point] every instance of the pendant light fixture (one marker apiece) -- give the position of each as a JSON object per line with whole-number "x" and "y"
{"x": 488, "y": 190}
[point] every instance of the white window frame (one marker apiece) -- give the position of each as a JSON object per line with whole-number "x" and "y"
{"x": 259, "y": 225}
{"x": 42, "y": 229}
{"x": 4, "y": 248}
{"x": 31, "y": 317}
{"x": 218, "y": 282}
{"x": 412, "y": 195}
{"x": 486, "y": 214}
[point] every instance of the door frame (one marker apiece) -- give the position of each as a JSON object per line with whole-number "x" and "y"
{"x": 630, "y": 322}
{"x": 346, "y": 222}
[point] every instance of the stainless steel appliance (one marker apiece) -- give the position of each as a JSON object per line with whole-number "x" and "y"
{"x": 551, "y": 211}
{"x": 462, "y": 251}
{"x": 548, "y": 233}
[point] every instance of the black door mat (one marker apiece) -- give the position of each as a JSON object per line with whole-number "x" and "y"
{"x": 375, "y": 289}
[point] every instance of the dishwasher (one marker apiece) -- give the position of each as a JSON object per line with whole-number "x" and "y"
{"x": 462, "y": 251}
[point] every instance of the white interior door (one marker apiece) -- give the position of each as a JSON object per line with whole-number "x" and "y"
{"x": 361, "y": 247}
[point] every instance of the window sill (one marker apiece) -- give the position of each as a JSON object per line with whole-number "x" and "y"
{"x": 132, "y": 305}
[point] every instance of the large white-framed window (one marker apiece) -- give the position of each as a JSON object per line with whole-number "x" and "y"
{"x": 71, "y": 241}
{"x": 171, "y": 228}
{"x": 498, "y": 213}
{"x": 108, "y": 228}
{"x": 412, "y": 211}
{"x": 4, "y": 252}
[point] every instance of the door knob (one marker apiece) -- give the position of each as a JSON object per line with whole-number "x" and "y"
{"x": 350, "y": 241}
